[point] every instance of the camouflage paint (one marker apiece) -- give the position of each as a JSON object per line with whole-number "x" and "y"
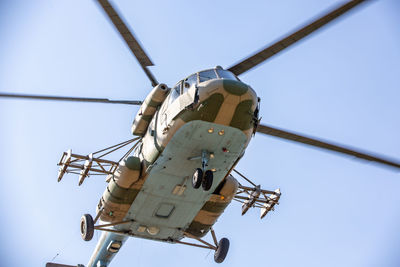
{"x": 148, "y": 109}
{"x": 213, "y": 208}
{"x": 219, "y": 101}
{"x": 121, "y": 190}
{"x": 226, "y": 102}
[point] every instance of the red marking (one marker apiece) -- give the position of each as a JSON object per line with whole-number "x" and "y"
{"x": 224, "y": 149}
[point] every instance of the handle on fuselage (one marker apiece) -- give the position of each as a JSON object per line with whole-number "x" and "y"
{"x": 51, "y": 264}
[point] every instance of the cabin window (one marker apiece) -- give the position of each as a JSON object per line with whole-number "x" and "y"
{"x": 189, "y": 82}
{"x": 207, "y": 75}
{"x": 114, "y": 246}
{"x": 224, "y": 74}
{"x": 175, "y": 93}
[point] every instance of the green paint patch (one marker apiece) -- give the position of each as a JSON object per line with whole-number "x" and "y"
{"x": 133, "y": 163}
{"x": 154, "y": 104}
{"x": 147, "y": 117}
{"x": 235, "y": 87}
{"x": 215, "y": 207}
{"x": 119, "y": 195}
{"x": 243, "y": 116}
{"x": 198, "y": 229}
{"x": 207, "y": 110}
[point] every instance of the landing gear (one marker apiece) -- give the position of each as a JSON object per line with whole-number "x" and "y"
{"x": 207, "y": 180}
{"x": 197, "y": 178}
{"x": 87, "y": 227}
{"x": 200, "y": 176}
{"x": 222, "y": 250}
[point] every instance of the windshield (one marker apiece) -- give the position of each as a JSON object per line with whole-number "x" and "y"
{"x": 224, "y": 74}
{"x": 207, "y": 75}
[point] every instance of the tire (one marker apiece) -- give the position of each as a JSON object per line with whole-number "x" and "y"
{"x": 197, "y": 178}
{"x": 207, "y": 180}
{"x": 87, "y": 227}
{"x": 222, "y": 250}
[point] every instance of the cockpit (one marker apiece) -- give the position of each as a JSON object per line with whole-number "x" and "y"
{"x": 199, "y": 77}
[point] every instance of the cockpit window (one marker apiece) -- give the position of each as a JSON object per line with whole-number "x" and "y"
{"x": 224, "y": 74}
{"x": 189, "y": 81}
{"x": 207, "y": 75}
{"x": 175, "y": 93}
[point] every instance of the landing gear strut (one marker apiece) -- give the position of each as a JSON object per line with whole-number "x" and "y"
{"x": 201, "y": 176}
{"x": 88, "y": 226}
{"x": 221, "y": 248}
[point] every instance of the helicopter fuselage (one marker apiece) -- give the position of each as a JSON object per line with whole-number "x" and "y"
{"x": 216, "y": 116}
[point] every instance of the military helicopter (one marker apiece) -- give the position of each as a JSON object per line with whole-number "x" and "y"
{"x": 208, "y": 173}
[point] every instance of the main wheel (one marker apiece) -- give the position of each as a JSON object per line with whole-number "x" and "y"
{"x": 197, "y": 178}
{"x": 222, "y": 250}
{"x": 207, "y": 180}
{"x": 87, "y": 227}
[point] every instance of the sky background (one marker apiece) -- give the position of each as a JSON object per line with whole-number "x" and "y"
{"x": 341, "y": 84}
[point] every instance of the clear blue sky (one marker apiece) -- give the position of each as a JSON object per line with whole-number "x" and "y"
{"x": 341, "y": 84}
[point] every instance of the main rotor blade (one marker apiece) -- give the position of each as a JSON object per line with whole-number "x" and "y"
{"x": 129, "y": 38}
{"x": 75, "y": 99}
{"x": 290, "y": 39}
{"x": 268, "y": 130}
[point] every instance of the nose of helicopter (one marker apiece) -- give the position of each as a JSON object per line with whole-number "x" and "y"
{"x": 228, "y": 102}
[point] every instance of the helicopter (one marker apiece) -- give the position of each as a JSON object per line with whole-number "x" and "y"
{"x": 216, "y": 71}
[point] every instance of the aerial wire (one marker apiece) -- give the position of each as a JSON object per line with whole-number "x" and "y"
{"x": 66, "y": 245}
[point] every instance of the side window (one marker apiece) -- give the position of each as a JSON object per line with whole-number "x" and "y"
{"x": 207, "y": 75}
{"x": 175, "y": 93}
{"x": 189, "y": 82}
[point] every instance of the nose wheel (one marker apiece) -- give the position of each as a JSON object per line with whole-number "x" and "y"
{"x": 200, "y": 176}
{"x": 207, "y": 180}
{"x": 204, "y": 179}
{"x": 197, "y": 178}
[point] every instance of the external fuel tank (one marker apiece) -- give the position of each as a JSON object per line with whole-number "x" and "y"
{"x": 122, "y": 189}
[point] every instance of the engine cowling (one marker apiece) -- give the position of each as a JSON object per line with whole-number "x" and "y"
{"x": 149, "y": 108}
